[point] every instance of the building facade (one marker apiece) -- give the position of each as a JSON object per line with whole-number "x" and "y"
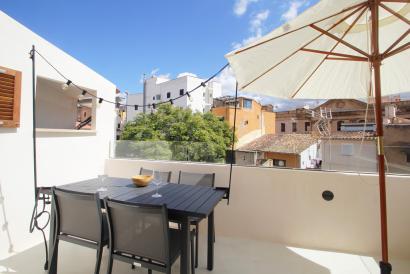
{"x": 349, "y": 151}
{"x": 158, "y": 90}
{"x": 397, "y": 147}
{"x": 64, "y": 153}
{"x": 252, "y": 119}
{"x": 280, "y": 150}
{"x": 338, "y": 113}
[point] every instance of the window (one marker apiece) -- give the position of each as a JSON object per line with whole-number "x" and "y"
{"x": 339, "y": 125}
{"x": 247, "y": 103}
{"x": 408, "y": 157}
{"x": 181, "y": 91}
{"x": 168, "y": 94}
{"x": 294, "y": 127}
{"x": 158, "y": 97}
{"x": 347, "y": 150}
{"x": 278, "y": 162}
{"x": 307, "y": 126}
{"x": 245, "y": 123}
{"x": 64, "y": 109}
{"x": 10, "y": 90}
{"x": 282, "y": 127}
{"x": 153, "y": 98}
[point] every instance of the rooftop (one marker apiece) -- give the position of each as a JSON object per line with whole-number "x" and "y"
{"x": 351, "y": 135}
{"x": 281, "y": 143}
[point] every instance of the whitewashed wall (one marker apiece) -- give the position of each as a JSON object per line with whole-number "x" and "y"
{"x": 363, "y": 158}
{"x": 62, "y": 156}
{"x": 307, "y": 155}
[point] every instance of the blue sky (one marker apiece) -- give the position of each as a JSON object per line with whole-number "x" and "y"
{"x": 124, "y": 39}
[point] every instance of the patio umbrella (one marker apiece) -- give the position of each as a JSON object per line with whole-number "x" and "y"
{"x": 336, "y": 49}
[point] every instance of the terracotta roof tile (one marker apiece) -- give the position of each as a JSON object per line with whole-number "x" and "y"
{"x": 281, "y": 143}
{"x": 350, "y": 135}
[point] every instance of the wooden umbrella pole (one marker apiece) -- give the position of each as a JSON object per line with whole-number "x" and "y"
{"x": 385, "y": 267}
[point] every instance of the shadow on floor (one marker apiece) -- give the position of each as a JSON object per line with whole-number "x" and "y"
{"x": 232, "y": 256}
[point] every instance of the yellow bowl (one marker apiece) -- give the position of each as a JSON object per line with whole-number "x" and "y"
{"x": 141, "y": 180}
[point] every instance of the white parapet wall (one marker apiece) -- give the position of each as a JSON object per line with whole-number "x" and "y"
{"x": 63, "y": 155}
{"x": 286, "y": 206}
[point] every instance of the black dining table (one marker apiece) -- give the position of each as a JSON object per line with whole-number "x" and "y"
{"x": 183, "y": 202}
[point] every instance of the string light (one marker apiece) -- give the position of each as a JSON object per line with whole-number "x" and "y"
{"x": 66, "y": 85}
{"x": 100, "y": 99}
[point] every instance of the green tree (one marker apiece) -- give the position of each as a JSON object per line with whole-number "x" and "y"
{"x": 189, "y": 136}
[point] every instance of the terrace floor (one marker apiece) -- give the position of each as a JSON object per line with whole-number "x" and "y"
{"x": 232, "y": 256}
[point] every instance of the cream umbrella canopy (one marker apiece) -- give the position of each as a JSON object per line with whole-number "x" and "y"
{"x": 336, "y": 49}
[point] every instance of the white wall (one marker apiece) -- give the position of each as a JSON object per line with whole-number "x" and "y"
{"x": 55, "y": 108}
{"x": 63, "y": 156}
{"x": 307, "y": 155}
{"x": 362, "y": 160}
{"x": 134, "y": 99}
{"x": 286, "y": 206}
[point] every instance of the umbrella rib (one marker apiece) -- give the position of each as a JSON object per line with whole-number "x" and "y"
{"x": 401, "y": 17}
{"x": 404, "y": 35}
{"x": 360, "y": 5}
{"x": 347, "y": 59}
{"x": 331, "y": 52}
{"x": 398, "y": 50}
{"x": 396, "y": 1}
{"x": 296, "y": 51}
{"x": 353, "y": 57}
{"x": 334, "y": 37}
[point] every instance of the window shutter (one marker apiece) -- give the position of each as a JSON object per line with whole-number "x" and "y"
{"x": 10, "y": 91}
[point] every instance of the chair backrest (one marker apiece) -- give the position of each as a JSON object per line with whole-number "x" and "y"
{"x": 78, "y": 214}
{"x": 165, "y": 176}
{"x": 138, "y": 230}
{"x": 200, "y": 179}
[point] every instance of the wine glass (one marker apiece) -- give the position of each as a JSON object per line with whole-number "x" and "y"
{"x": 156, "y": 180}
{"x": 102, "y": 177}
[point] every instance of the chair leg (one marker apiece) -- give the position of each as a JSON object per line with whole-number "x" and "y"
{"x": 54, "y": 256}
{"x": 196, "y": 244}
{"x": 110, "y": 261}
{"x": 192, "y": 256}
{"x": 98, "y": 262}
{"x": 214, "y": 233}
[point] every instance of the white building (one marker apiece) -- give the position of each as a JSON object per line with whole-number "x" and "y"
{"x": 162, "y": 90}
{"x": 64, "y": 154}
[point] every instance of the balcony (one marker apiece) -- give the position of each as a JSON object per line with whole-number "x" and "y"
{"x": 276, "y": 222}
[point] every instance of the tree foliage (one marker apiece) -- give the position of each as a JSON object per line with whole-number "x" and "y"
{"x": 189, "y": 136}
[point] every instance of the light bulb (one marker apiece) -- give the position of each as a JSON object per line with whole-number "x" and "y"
{"x": 65, "y": 85}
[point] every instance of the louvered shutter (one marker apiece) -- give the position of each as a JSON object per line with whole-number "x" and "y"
{"x": 10, "y": 91}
